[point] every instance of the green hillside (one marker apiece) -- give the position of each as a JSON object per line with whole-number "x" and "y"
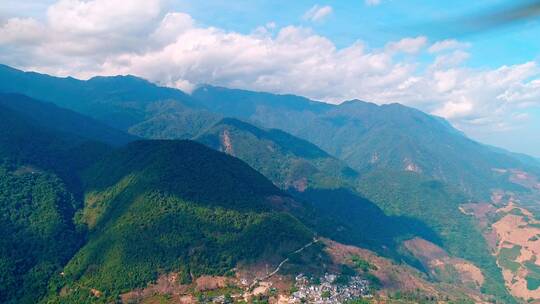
{"x": 288, "y": 161}
{"x": 323, "y": 181}
{"x": 149, "y": 208}
{"x": 155, "y": 207}
{"x": 38, "y": 235}
{"x": 39, "y": 186}
{"x": 49, "y": 116}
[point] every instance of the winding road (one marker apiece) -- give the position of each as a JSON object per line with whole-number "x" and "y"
{"x": 257, "y": 280}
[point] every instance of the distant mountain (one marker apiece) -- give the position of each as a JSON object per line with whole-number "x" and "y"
{"x": 367, "y": 136}
{"x": 49, "y": 116}
{"x": 119, "y": 101}
{"x": 156, "y": 207}
{"x": 364, "y": 135}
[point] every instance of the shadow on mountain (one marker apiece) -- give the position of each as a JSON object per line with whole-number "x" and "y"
{"x": 347, "y": 217}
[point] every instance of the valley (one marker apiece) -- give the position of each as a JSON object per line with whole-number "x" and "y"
{"x": 229, "y": 196}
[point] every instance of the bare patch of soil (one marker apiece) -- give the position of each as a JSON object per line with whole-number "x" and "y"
{"x": 226, "y": 142}
{"x": 444, "y": 267}
{"x": 401, "y": 277}
{"x": 518, "y": 234}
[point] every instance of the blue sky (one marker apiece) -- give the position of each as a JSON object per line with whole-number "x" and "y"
{"x": 487, "y": 84}
{"x": 353, "y": 20}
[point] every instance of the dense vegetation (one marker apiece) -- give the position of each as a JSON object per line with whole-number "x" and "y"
{"x": 159, "y": 206}
{"x": 41, "y": 144}
{"x": 41, "y": 154}
{"x": 54, "y": 118}
{"x": 287, "y": 161}
{"x": 38, "y": 235}
{"x": 312, "y": 175}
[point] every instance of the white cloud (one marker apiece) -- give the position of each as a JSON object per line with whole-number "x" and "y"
{"x": 109, "y": 37}
{"x": 453, "y": 109}
{"x": 408, "y": 45}
{"x": 172, "y": 26}
{"x": 21, "y": 31}
{"x": 101, "y": 16}
{"x": 448, "y": 44}
{"x": 318, "y": 13}
{"x": 455, "y": 58}
{"x": 372, "y": 2}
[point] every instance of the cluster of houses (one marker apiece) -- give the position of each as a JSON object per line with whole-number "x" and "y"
{"x": 327, "y": 290}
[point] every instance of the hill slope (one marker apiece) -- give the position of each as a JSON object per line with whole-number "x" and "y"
{"x": 39, "y": 186}
{"x": 38, "y": 235}
{"x": 312, "y": 175}
{"x": 51, "y": 117}
{"x": 288, "y": 161}
{"x": 155, "y": 207}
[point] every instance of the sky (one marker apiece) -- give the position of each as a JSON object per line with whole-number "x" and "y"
{"x": 462, "y": 60}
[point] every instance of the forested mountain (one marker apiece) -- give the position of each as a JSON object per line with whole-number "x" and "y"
{"x": 156, "y": 207}
{"x": 150, "y": 208}
{"x": 366, "y": 136}
{"x": 51, "y": 138}
{"x": 39, "y": 190}
{"x": 119, "y": 101}
{"x": 288, "y": 161}
{"x": 314, "y": 176}
{"x": 48, "y": 116}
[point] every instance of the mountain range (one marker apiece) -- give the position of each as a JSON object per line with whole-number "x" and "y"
{"x": 134, "y": 182}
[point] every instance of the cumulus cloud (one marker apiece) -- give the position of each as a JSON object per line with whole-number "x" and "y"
{"x": 21, "y": 31}
{"x": 408, "y": 45}
{"x": 108, "y": 37}
{"x": 318, "y": 13}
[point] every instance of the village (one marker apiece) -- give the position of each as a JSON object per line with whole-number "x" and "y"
{"x": 328, "y": 289}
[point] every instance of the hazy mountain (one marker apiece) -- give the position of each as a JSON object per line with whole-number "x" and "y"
{"x": 364, "y": 135}
{"x": 367, "y": 136}
{"x": 49, "y": 116}
{"x": 119, "y": 101}
{"x": 288, "y": 161}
